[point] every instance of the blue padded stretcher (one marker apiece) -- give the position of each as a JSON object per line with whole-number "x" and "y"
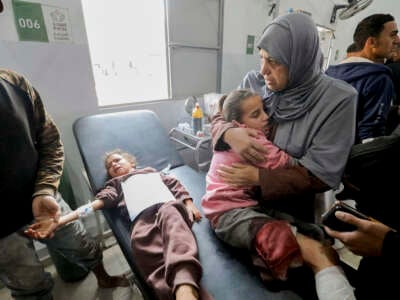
{"x": 227, "y": 272}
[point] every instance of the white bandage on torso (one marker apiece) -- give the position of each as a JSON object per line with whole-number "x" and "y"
{"x": 84, "y": 210}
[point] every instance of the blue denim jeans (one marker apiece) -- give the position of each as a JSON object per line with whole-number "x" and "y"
{"x": 21, "y": 270}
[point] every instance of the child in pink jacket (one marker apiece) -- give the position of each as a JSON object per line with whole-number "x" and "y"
{"x": 275, "y": 240}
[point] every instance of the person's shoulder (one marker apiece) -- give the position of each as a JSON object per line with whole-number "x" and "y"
{"x": 379, "y": 77}
{"x": 252, "y": 78}
{"x": 253, "y": 74}
{"x": 144, "y": 170}
{"x": 380, "y": 68}
{"x": 112, "y": 181}
{"x": 11, "y": 76}
{"x": 370, "y": 70}
{"x": 350, "y": 69}
{"x": 15, "y": 79}
{"x": 340, "y": 86}
{"x": 115, "y": 181}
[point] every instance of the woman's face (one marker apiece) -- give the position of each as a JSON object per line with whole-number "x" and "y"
{"x": 253, "y": 114}
{"x": 276, "y": 75}
{"x": 118, "y": 165}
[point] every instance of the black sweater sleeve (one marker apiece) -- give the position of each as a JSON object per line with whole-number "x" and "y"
{"x": 391, "y": 247}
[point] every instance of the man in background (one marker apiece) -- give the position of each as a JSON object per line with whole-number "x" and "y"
{"x": 373, "y": 159}
{"x": 375, "y": 39}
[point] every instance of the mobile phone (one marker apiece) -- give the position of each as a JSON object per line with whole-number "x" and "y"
{"x": 329, "y": 219}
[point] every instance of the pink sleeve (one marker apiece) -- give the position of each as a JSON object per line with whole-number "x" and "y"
{"x": 275, "y": 157}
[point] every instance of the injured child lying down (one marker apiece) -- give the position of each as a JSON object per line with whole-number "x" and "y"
{"x": 163, "y": 244}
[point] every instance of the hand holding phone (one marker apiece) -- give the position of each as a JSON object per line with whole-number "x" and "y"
{"x": 329, "y": 219}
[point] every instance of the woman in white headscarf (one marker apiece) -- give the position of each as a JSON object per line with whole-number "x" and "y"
{"x": 313, "y": 120}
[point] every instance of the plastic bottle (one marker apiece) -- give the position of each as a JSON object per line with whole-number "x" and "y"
{"x": 197, "y": 119}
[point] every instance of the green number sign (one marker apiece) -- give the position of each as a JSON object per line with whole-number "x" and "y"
{"x": 29, "y": 21}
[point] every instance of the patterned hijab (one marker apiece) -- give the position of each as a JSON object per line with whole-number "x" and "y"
{"x": 293, "y": 40}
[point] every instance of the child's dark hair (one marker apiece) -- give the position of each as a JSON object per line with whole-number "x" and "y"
{"x": 231, "y": 105}
{"x": 129, "y": 157}
{"x": 352, "y": 48}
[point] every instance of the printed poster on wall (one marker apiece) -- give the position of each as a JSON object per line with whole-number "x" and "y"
{"x": 41, "y": 23}
{"x": 58, "y": 25}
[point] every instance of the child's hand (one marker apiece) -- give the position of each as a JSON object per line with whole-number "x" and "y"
{"x": 193, "y": 209}
{"x": 41, "y": 229}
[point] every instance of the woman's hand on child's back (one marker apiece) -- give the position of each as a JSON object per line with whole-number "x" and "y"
{"x": 241, "y": 142}
{"x": 239, "y": 174}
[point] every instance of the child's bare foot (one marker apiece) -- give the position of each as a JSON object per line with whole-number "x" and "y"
{"x": 186, "y": 292}
{"x": 108, "y": 282}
